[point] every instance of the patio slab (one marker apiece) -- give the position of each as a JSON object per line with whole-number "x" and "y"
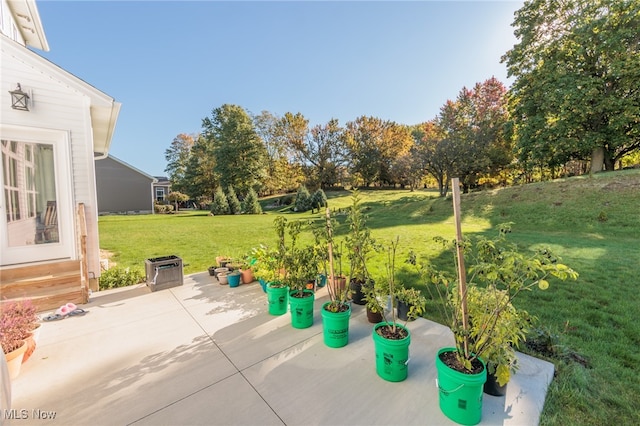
{"x": 204, "y": 353}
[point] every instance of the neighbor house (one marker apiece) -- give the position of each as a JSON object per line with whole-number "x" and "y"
{"x": 161, "y": 189}
{"x": 122, "y": 188}
{"x": 53, "y": 126}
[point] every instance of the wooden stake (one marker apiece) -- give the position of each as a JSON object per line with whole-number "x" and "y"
{"x": 462, "y": 274}
{"x": 330, "y": 278}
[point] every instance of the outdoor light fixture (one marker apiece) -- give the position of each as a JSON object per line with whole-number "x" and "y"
{"x": 19, "y": 99}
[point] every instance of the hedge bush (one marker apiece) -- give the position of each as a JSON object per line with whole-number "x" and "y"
{"x": 120, "y": 277}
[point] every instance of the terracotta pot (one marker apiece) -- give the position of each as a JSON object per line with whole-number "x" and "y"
{"x": 31, "y": 347}
{"x": 337, "y": 285}
{"x": 311, "y": 284}
{"x": 14, "y": 360}
{"x": 247, "y": 276}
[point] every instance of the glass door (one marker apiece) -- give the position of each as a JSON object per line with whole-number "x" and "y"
{"x": 36, "y": 222}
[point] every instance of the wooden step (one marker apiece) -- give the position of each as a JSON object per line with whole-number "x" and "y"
{"x": 48, "y": 285}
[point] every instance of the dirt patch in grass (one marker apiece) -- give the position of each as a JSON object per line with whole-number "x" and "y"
{"x": 106, "y": 259}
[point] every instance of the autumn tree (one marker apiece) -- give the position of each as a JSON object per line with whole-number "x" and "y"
{"x": 291, "y": 131}
{"x": 238, "y": 151}
{"x": 281, "y": 174}
{"x": 177, "y": 157}
{"x": 474, "y": 127}
{"x": 200, "y": 178}
{"x": 492, "y": 131}
{"x": 405, "y": 171}
{"x": 576, "y": 95}
{"x": 434, "y": 154}
{"x": 373, "y": 145}
{"x": 322, "y": 154}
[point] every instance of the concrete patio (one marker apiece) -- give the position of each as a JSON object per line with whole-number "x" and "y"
{"x": 203, "y": 353}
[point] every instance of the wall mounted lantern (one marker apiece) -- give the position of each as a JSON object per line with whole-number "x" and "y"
{"x": 19, "y": 99}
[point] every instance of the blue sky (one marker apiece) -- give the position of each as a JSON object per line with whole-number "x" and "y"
{"x": 170, "y": 63}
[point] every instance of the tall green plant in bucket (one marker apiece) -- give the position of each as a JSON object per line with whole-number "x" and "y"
{"x": 337, "y": 311}
{"x": 482, "y": 317}
{"x": 301, "y": 266}
{"x": 277, "y": 290}
{"x": 359, "y": 246}
{"x": 391, "y": 339}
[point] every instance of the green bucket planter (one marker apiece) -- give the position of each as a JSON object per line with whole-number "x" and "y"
{"x": 460, "y": 394}
{"x": 335, "y": 326}
{"x": 392, "y": 356}
{"x": 301, "y": 309}
{"x": 277, "y": 298}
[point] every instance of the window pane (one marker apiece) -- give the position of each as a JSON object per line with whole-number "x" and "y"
{"x": 30, "y": 193}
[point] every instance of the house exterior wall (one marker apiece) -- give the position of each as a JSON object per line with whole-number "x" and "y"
{"x": 8, "y": 26}
{"x": 55, "y": 105}
{"x": 122, "y": 189}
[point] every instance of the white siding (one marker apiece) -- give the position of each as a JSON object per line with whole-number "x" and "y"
{"x": 8, "y": 25}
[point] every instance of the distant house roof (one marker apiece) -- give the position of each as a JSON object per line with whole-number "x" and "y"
{"x": 153, "y": 178}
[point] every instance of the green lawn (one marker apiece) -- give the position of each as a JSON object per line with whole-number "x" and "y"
{"x": 588, "y": 327}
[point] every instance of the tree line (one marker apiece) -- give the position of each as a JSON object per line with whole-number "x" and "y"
{"x": 574, "y": 107}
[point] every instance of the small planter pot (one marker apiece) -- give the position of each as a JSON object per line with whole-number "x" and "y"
{"x": 321, "y": 281}
{"x": 263, "y": 284}
{"x": 335, "y": 326}
{"x": 460, "y": 394}
{"x": 491, "y": 386}
{"x": 301, "y": 308}
{"x": 212, "y": 271}
{"x": 374, "y": 317}
{"x": 222, "y": 278}
{"x": 392, "y": 356}
{"x": 403, "y": 311}
{"x": 357, "y": 296}
{"x": 220, "y": 270}
{"x": 234, "y": 278}
{"x": 277, "y": 298}
{"x": 247, "y": 276}
{"x": 14, "y": 360}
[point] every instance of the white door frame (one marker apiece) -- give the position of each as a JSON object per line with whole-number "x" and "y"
{"x": 65, "y": 248}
